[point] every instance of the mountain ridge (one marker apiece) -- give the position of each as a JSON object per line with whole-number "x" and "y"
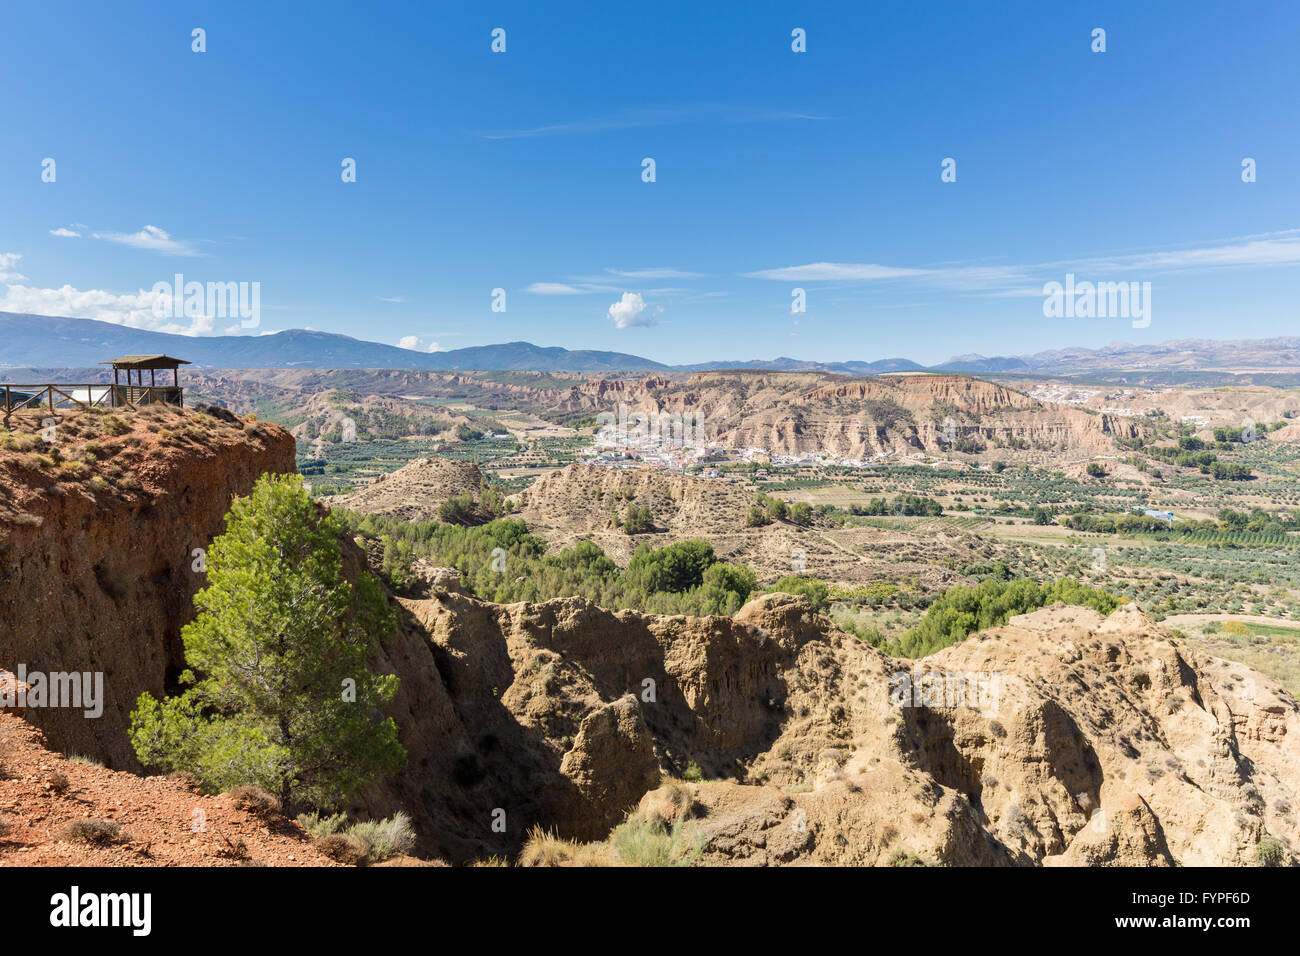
{"x": 38, "y": 341}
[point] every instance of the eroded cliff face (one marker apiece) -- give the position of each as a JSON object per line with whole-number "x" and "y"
{"x": 811, "y": 412}
{"x": 96, "y": 550}
{"x": 1104, "y": 740}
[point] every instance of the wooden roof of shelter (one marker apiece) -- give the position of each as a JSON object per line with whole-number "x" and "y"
{"x": 145, "y": 361}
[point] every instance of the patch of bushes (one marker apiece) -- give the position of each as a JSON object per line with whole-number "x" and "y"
{"x": 815, "y": 590}
{"x": 363, "y": 843}
{"x": 961, "y": 611}
{"x": 92, "y": 832}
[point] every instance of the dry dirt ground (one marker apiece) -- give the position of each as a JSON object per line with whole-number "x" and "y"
{"x": 163, "y": 821}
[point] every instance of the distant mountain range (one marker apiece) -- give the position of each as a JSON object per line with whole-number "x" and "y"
{"x": 39, "y": 341}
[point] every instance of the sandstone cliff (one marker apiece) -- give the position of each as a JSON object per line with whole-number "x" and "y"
{"x": 97, "y": 549}
{"x": 798, "y": 413}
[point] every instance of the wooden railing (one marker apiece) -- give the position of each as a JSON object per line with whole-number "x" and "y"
{"x": 94, "y": 395}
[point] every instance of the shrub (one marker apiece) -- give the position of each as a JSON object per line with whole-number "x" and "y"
{"x": 256, "y": 801}
{"x": 901, "y": 857}
{"x": 1269, "y": 851}
{"x": 544, "y": 848}
{"x": 322, "y": 826}
{"x": 642, "y": 842}
{"x": 638, "y": 520}
{"x": 383, "y": 839}
{"x": 341, "y": 848}
{"x": 94, "y": 832}
{"x": 693, "y": 773}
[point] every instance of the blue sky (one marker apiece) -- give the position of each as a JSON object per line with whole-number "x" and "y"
{"x": 775, "y": 170}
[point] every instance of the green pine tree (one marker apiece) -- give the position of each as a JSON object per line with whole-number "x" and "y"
{"x": 279, "y": 693}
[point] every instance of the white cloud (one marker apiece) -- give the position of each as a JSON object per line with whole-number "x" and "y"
{"x": 626, "y": 312}
{"x": 656, "y": 274}
{"x": 398, "y": 299}
{"x": 133, "y": 310}
{"x": 7, "y": 261}
{"x": 153, "y": 239}
{"x": 1270, "y": 249}
{"x": 823, "y": 271}
{"x": 416, "y": 344}
{"x": 557, "y": 288}
{"x": 63, "y": 232}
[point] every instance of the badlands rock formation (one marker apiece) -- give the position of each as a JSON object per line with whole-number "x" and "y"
{"x": 1089, "y": 741}
{"x": 414, "y": 491}
{"x": 797, "y": 413}
{"x": 579, "y": 501}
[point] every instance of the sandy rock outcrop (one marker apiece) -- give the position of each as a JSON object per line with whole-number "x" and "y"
{"x": 579, "y": 501}
{"x": 414, "y": 491}
{"x": 612, "y": 763}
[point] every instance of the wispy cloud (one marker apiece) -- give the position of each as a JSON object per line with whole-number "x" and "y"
{"x": 154, "y": 239}
{"x": 1270, "y": 249}
{"x": 558, "y": 288}
{"x": 656, "y": 274}
{"x": 835, "y": 271}
{"x": 63, "y": 232}
{"x": 396, "y": 299}
{"x": 7, "y": 271}
{"x": 638, "y": 118}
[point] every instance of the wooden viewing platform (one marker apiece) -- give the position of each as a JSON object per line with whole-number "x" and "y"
{"x": 119, "y": 394}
